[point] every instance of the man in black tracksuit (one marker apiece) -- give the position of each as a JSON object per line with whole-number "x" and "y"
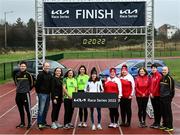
{"x": 24, "y": 83}
{"x": 43, "y": 89}
{"x": 166, "y": 95}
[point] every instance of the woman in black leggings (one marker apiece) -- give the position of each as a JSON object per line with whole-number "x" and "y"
{"x": 82, "y": 80}
{"x": 142, "y": 83}
{"x": 57, "y": 92}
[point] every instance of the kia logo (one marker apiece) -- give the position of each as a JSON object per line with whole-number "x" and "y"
{"x": 60, "y": 12}
{"x": 129, "y": 11}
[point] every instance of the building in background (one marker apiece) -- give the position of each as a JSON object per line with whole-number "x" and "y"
{"x": 167, "y": 30}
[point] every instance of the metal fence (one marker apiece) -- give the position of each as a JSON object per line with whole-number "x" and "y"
{"x": 6, "y": 69}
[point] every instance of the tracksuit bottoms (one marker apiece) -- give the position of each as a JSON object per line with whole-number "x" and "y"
{"x": 23, "y": 101}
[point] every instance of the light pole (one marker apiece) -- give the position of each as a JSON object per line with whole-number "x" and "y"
{"x": 5, "y": 28}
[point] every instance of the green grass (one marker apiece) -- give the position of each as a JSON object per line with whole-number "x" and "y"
{"x": 21, "y": 55}
{"x": 115, "y": 54}
{"x": 5, "y": 81}
{"x": 174, "y": 65}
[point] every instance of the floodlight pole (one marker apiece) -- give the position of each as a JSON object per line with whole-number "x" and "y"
{"x": 5, "y": 28}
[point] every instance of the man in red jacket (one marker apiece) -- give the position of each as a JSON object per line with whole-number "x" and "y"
{"x": 155, "y": 95}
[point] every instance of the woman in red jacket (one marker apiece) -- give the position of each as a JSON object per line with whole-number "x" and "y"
{"x": 142, "y": 85}
{"x": 113, "y": 85}
{"x": 128, "y": 87}
{"x": 155, "y": 95}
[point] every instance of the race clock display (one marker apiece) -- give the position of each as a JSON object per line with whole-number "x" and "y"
{"x": 93, "y": 41}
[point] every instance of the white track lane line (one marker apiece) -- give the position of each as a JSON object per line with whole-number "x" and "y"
{"x": 75, "y": 124}
{"x": 178, "y": 106}
{"x": 11, "y": 108}
{"x": 120, "y": 130}
{"x": 27, "y": 131}
{"x": 7, "y": 93}
{"x": 7, "y": 111}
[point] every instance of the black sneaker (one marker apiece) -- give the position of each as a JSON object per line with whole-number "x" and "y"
{"x": 140, "y": 124}
{"x": 162, "y": 127}
{"x": 20, "y": 125}
{"x": 153, "y": 125}
{"x": 122, "y": 124}
{"x": 144, "y": 124}
{"x": 41, "y": 126}
{"x": 168, "y": 129}
{"x": 157, "y": 126}
{"x": 71, "y": 125}
{"x": 47, "y": 125}
{"x": 29, "y": 126}
{"x": 127, "y": 124}
{"x": 66, "y": 126}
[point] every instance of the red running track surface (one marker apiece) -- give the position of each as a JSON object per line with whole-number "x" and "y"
{"x": 9, "y": 116}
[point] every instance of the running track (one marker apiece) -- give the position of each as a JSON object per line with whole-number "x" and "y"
{"x": 9, "y": 116}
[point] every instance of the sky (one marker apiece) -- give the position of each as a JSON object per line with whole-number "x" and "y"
{"x": 166, "y": 11}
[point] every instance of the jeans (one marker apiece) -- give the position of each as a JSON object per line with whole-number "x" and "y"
{"x": 43, "y": 102}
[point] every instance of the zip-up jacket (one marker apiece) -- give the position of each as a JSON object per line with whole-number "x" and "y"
{"x": 43, "y": 83}
{"x": 94, "y": 87}
{"x": 155, "y": 84}
{"x": 142, "y": 86}
{"x": 128, "y": 85}
{"x": 24, "y": 82}
{"x": 167, "y": 86}
{"x": 82, "y": 81}
{"x": 57, "y": 88}
{"x": 113, "y": 85}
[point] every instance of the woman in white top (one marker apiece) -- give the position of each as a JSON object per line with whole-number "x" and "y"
{"x": 94, "y": 85}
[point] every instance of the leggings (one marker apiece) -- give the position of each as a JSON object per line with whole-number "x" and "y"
{"x": 142, "y": 104}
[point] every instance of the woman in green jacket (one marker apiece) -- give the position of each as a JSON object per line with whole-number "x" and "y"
{"x": 69, "y": 86}
{"x": 82, "y": 80}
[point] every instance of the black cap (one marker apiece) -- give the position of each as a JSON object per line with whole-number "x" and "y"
{"x": 93, "y": 71}
{"x": 153, "y": 65}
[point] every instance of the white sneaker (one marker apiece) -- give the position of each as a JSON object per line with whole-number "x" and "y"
{"x": 53, "y": 126}
{"x": 59, "y": 125}
{"x": 111, "y": 125}
{"x": 80, "y": 124}
{"x": 93, "y": 127}
{"x": 84, "y": 124}
{"x": 115, "y": 125}
{"x": 99, "y": 127}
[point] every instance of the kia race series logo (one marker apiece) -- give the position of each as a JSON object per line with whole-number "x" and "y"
{"x": 128, "y": 13}
{"x": 60, "y": 14}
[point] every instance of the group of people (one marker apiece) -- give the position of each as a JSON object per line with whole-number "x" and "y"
{"x": 59, "y": 88}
